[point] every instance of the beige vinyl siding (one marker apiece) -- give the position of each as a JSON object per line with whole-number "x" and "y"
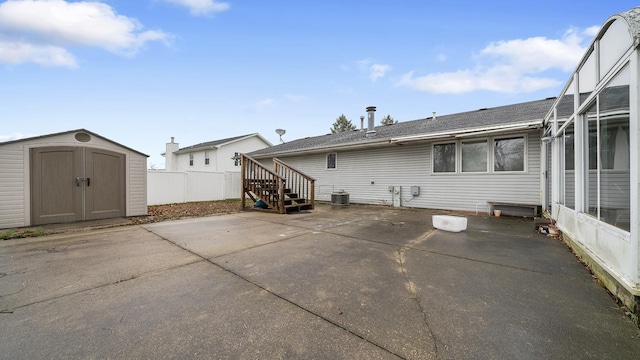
{"x": 12, "y": 187}
{"x": 367, "y": 175}
{"x": 137, "y": 187}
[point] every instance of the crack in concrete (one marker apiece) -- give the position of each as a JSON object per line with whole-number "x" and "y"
{"x": 413, "y": 291}
{"x": 291, "y": 302}
{"x": 132, "y": 277}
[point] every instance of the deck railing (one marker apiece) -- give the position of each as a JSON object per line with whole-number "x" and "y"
{"x": 260, "y": 183}
{"x": 297, "y": 182}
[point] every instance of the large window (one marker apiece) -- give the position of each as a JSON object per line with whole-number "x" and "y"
{"x": 607, "y": 177}
{"x": 474, "y": 156}
{"x": 508, "y": 154}
{"x": 444, "y": 158}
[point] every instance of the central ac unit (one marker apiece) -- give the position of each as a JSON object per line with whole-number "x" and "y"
{"x": 340, "y": 198}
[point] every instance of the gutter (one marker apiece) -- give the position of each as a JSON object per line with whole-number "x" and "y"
{"x": 323, "y": 149}
{"x": 466, "y": 133}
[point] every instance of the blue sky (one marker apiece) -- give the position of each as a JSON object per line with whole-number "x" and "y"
{"x": 139, "y": 72}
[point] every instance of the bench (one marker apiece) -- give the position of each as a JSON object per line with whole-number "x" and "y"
{"x": 501, "y": 205}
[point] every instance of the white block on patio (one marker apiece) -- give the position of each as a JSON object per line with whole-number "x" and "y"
{"x": 449, "y": 223}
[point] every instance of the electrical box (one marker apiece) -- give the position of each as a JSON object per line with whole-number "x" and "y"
{"x": 415, "y": 190}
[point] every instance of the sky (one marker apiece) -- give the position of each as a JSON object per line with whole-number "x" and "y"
{"x": 140, "y": 72}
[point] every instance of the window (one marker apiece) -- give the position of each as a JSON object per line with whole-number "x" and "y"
{"x": 332, "y": 161}
{"x": 206, "y": 158}
{"x": 444, "y": 158}
{"x": 569, "y": 172}
{"x": 237, "y": 159}
{"x": 607, "y": 154}
{"x": 190, "y": 159}
{"x": 474, "y": 156}
{"x": 508, "y": 154}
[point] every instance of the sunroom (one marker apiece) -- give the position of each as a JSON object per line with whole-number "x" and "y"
{"x": 591, "y": 139}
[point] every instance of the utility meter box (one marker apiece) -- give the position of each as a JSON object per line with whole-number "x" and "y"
{"x": 415, "y": 190}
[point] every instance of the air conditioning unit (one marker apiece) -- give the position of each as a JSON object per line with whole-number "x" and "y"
{"x": 340, "y": 198}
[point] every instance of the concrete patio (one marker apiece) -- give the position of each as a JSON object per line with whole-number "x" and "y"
{"x": 356, "y": 282}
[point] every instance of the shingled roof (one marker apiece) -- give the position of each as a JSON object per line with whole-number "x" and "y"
{"x": 471, "y": 121}
{"x": 215, "y": 143}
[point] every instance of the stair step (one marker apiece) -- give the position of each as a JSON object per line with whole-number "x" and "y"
{"x": 299, "y": 201}
{"x": 297, "y": 207}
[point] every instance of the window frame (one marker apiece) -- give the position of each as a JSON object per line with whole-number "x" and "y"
{"x": 207, "y": 156}
{"x": 525, "y": 153}
{"x": 190, "y": 159}
{"x": 486, "y": 155}
{"x": 335, "y": 161}
{"x": 455, "y": 157}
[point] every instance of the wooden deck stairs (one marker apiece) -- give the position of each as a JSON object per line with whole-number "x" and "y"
{"x": 281, "y": 190}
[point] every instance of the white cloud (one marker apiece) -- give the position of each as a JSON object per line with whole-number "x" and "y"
{"x": 513, "y": 66}
{"x": 296, "y": 98}
{"x": 264, "y": 104}
{"x": 14, "y": 136}
{"x": 374, "y": 71}
{"x": 51, "y": 26}
{"x": 46, "y": 55}
{"x": 201, "y": 7}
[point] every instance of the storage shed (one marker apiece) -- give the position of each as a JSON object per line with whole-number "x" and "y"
{"x": 70, "y": 176}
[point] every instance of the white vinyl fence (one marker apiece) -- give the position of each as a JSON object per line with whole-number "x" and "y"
{"x": 170, "y": 187}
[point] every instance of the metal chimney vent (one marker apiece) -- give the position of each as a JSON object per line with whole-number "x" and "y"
{"x": 371, "y": 131}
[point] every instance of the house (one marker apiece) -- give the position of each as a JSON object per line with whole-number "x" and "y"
{"x": 591, "y": 138}
{"x": 467, "y": 161}
{"x": 577, "y": 155}
{"x": 70, "y": 176}
{"x": 217, "y": 155}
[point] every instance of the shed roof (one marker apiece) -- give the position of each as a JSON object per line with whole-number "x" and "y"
{"x": 70, "y": 132}
{"x": 471, "y": 121}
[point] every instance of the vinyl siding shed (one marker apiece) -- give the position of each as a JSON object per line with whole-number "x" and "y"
{"x": 69, "y": 176}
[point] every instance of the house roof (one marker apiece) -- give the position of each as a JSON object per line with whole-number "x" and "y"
{"x": 219, "y": 143}
{"x": 522, "y": 115}
{"x": 71, "y": 132}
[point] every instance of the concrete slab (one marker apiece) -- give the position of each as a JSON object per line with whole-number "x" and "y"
{"x": 194, "y": 311}
{"x": 49, "y": 267}
{"x": 355, "y": 282}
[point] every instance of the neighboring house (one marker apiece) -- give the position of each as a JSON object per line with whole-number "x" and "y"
{"x": 592, "y": 136}
{"x": 464, "y": 161}
{"x": 218, "y": 155}
{"x": 70, "y": 176}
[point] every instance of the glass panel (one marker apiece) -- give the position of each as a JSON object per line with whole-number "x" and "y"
{"x": 613, "y": 45}
{"x": 474, "y": 156}
{"x": 591, "y": 160}
{"x": 509, "y": 154}
{"x": 444, "y": 158}
{"x": 587, "y": 77}
{"x": 615, "y": 180}
{"x": 569, "y": 167}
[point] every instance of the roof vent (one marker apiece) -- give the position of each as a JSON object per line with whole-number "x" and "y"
{"x": 83, "y": 137}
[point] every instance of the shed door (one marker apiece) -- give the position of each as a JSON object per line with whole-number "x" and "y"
{"x": 104, "y": 184}
{"x": 73, "y": 184}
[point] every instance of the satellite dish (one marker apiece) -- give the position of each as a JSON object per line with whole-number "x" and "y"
{"x": 281, "y": 132}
